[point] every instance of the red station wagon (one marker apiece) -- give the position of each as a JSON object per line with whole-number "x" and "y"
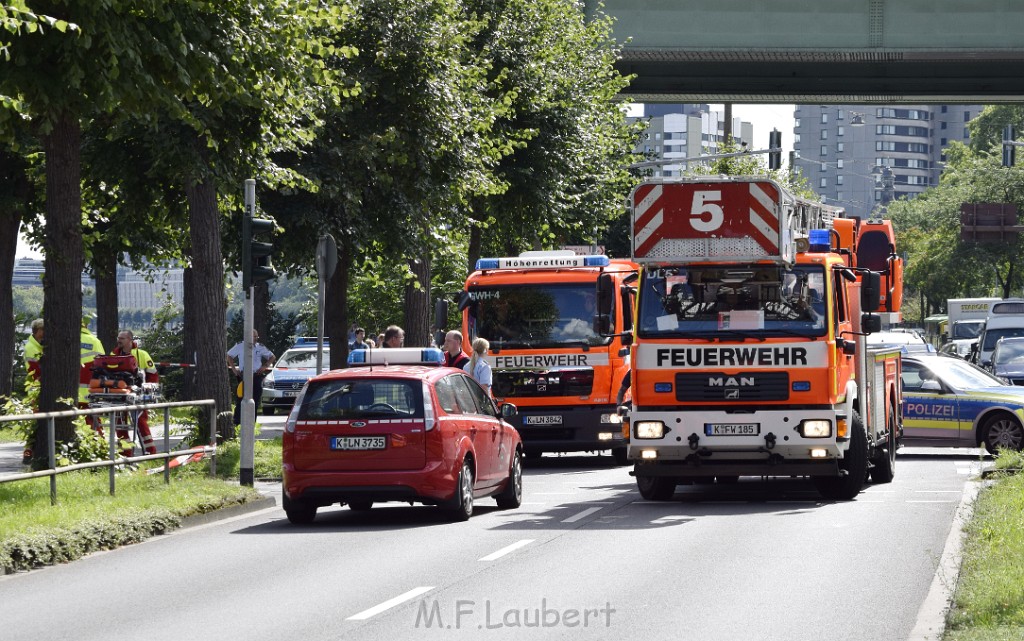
{"x": 389, "y": 432}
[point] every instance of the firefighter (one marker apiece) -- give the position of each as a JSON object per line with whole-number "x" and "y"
{"x": 91, "y": 347}
{"x": 126, "y": 346}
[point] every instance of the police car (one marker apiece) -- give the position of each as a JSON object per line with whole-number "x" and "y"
{"x": 296, "y": 366}
{"x": 950, "y": 402}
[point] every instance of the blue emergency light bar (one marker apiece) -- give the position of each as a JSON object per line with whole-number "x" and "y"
{"x": 820, "y": 240}
{"x": 305, "y": 341}
{"x": 430, "y": 356}
{"x": 542, "y": 262}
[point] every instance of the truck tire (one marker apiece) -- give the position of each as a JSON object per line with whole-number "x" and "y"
{"x": 884, "y": 463}
{"x": 656, "y": 488}
{"x": 855, "y": 463}
{"x": 620, "y": 456}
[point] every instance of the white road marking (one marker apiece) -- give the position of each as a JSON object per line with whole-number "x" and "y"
{"x": 582, "y": 515}
{"x": 390, "y": 603}
{"x": 938, "y": 491}
{"x": 507, "y": 549}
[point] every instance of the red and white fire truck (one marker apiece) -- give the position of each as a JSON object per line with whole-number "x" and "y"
{"x": 749, "y": 356}
{"x": 537, "y": 311}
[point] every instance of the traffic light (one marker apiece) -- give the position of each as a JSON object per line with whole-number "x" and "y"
{"x": 256, "y": 266}
{"x": 775, "y": 149}
{"x": 1009, "y": 149}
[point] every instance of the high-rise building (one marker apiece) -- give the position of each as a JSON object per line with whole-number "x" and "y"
{"x": 861, "y": 157}
{"x": 678, "y": 131}
{"x": 136, "y": 290}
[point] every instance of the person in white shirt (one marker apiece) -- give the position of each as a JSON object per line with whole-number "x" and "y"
{"x": 478, "y": 367}
{"x": 262, "y": 359}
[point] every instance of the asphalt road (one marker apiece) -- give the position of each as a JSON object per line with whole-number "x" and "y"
{"x": 584, "y": 558}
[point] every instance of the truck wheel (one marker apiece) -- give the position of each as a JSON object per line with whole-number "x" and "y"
{"x": 620, "y": 456}
{"x": 855, "y": 463}
{"x": 884, "y": 462}
{"x": 1003, "y": 431}
{"x": 656, "y": 488}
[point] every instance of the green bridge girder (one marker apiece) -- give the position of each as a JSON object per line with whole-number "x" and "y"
{"x": 807, "y": 51}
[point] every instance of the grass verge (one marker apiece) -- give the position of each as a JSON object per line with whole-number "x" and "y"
{"x": 87, "y": 519}
{"x": 10, "y": 435}
{"x": 989, "y": 600}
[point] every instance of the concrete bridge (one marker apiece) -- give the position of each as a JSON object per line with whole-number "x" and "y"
{"x": 821, "y": 51}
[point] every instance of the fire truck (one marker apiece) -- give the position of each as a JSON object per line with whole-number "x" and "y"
{"x": 537, "y": 310}
{"x": 749, "y": 356}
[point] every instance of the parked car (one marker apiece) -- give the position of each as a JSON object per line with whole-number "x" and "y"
{"x": 284, "y": 382}
{"x": 392, "y": 432}
{"x": 950, "y": 402}
{"x": 908, "y": 341}
{"x": 1008, "y": 360}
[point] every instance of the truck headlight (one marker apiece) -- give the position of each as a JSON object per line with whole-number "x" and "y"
{"x": 611, "y": 418}
{"x": 649, "y": 429}
{"x": 816, "y": 428}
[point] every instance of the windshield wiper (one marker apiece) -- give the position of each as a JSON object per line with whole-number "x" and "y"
{"x": 721, "y": 334}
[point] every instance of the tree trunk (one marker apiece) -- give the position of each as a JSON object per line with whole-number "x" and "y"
{"x": 190, "y": 391}
{"x": 208, "y": 327}
{"x": 416, "y": 321}
{"x": 475, "y": 242}
{"x": 10, "y": 224}
{"x": 62, "y": 282}
{"x": 104, "y": 266}
{"x": 336, "y": 305}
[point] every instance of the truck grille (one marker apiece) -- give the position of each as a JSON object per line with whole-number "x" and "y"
{"x": 718, "y": 386}
{"x": 536, "y": 383}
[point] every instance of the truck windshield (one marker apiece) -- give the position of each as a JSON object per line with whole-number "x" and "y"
{"x": 968, "y": 328}
{"x": 542, "y": 315}
{"x": 706, "y": 300}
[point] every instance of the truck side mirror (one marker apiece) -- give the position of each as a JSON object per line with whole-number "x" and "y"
{"x": 870, "y": 323}
{"x": 627, "y": 338}
{"x": 870, "y": 291}
{"x": 605, "y": 298}
{"x": 465, "y": 300}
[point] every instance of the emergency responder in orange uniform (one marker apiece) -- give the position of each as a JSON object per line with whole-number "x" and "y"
{"x": 126, "y": 346}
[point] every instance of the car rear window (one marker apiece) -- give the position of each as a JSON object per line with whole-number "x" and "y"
{"x": 362, "y": 398}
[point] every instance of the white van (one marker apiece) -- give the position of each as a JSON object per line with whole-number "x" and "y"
{"x": 1005, "y": 319}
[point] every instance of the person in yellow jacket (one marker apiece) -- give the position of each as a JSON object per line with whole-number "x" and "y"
{"x": 91, "y": 348}
{"x": 126, "y": 346}
{"x": 34, "y": 351}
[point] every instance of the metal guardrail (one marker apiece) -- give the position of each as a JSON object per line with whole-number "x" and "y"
{"x": 115, "y": 459}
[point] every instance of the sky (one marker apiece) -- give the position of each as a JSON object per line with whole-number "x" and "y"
{"x": 764, "y": 118}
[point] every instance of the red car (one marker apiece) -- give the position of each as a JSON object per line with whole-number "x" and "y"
{"x": 410, "y": 433}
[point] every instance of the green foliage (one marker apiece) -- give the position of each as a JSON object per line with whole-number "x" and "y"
{"x": 939, "y": 264}
{"x": 165, "y": 343}
{"x": 33, "y": 533}
{"x": 266, "y": 460}
{"x": 990, "y": 592}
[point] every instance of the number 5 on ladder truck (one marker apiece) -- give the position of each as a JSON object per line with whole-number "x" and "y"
{"x": 750, "y": 356}
{"x": 552, "y": 352}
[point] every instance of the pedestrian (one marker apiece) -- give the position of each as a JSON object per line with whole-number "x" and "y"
{"x": 33, "y": 352}
{"x": 146, "y": 370}
{"x": 360, "y": 341}
{"x": 453, "y": 354}
{"x": 394, "y": 336}
{"x": 380, "y": 340}
{"x": 478, "y": 367}
{"x": 262, "y": 360}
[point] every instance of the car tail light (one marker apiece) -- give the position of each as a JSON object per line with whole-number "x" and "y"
{"x": 428, "y": 408}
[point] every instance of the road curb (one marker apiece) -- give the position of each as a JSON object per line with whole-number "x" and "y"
{"x": 931, "y": 617}
{"x": 228, "y": 512}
